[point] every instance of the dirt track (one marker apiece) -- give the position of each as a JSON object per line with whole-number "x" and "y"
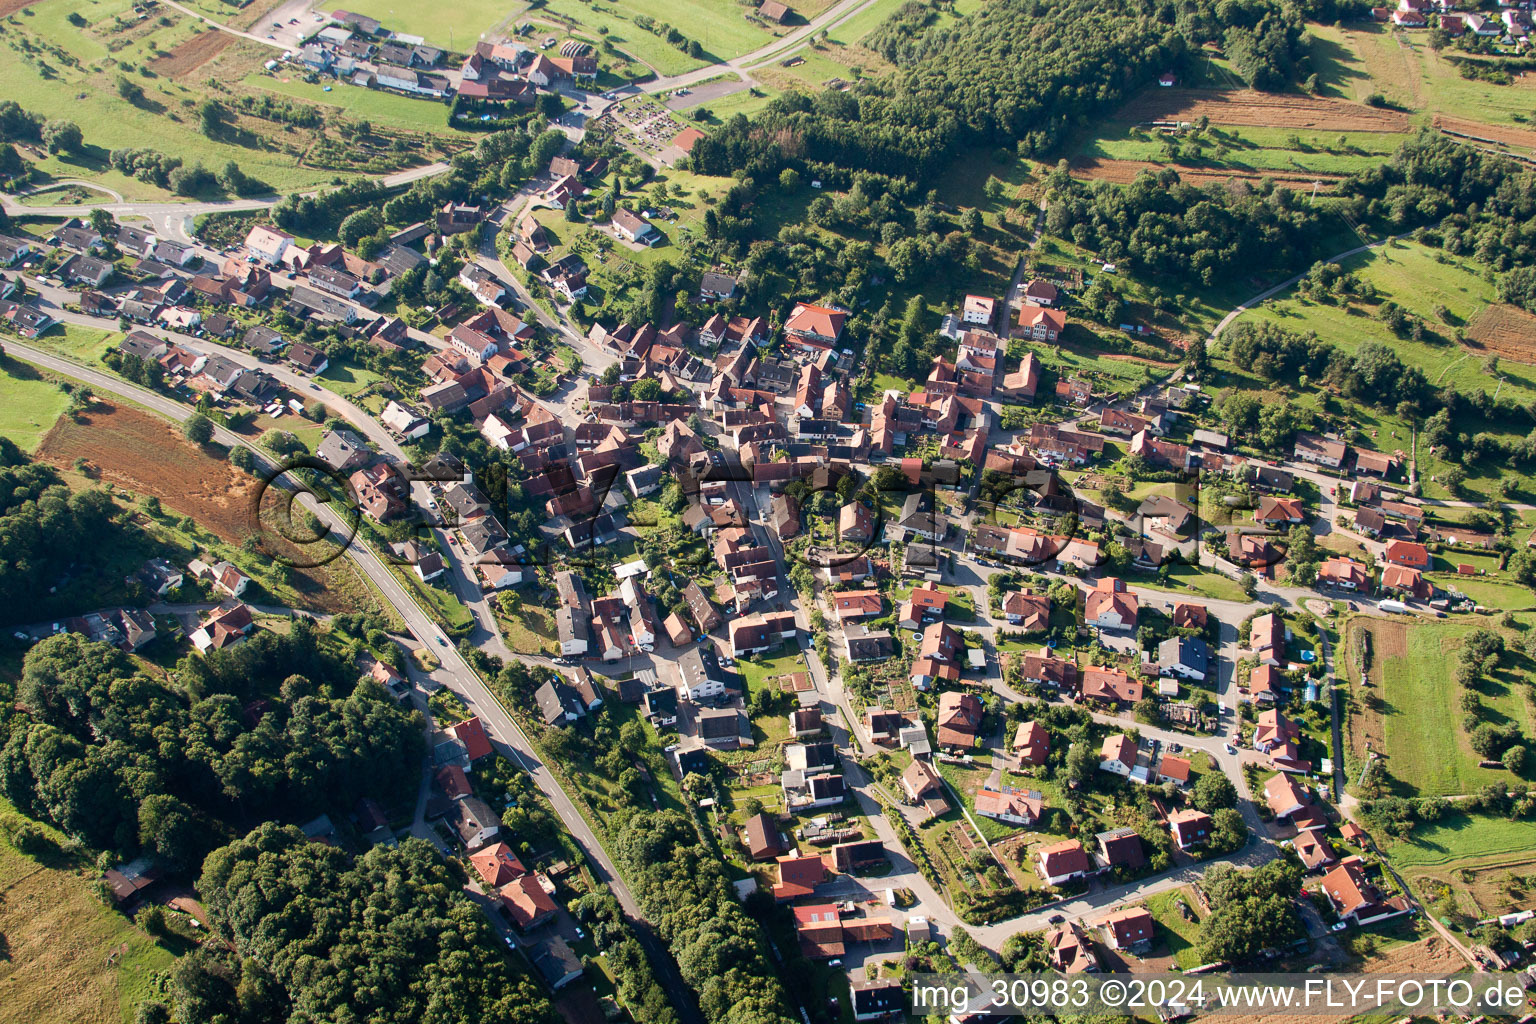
{"x": 1262, "y": 110}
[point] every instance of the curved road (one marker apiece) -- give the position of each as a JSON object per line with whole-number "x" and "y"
{"x": 1248, "y": 304}
{"x": 456, "y": 674}
{"x": 174, "y": 220}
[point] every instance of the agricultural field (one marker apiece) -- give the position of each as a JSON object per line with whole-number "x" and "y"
{"x": 1504, "y": 330}
{"x": 33, "y": 403}
{"x": 146, "y": 455}
{"x": 68, "y": 959}
{"x": 1288, "y": 111}
{"x": 81, "y": 72}
{"x": 1357, "y": 60}
{"x": 1450, "y": 294}
{"x": 1412, "y": 681}
{"x": 140, "y": 455}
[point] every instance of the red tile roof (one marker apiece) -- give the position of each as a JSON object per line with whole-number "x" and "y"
{"x": 472, "y": 734}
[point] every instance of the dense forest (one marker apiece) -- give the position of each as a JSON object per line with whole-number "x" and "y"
{"x": 315, "y": 935}
{"x": 1174, "y": 231}
{"x": 277, "y": 727}
{"x": 1017, "y": 73}
{"x": 681, "y": 886}
{"x": 44, "y": 528}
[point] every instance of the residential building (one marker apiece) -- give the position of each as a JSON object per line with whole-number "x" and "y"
{"x": 1319, "y": 450}
{"x": 1110, "y": 606}
{"x": 1070, "y": 951}
{"x": 1190, "y": 828}
{"x": 1355, "y": 899}
{"x": 1012, "y": 806}
{"x": 959, "y": 719}
{"x": 1285, "y": 796}
{"x": 1059, "y": 863}
{"x": 1040, "y": 323}
{"x": 1121, "y": 848}
{"x": 1031, "y": 743}
{"x": 1130, "y": 929}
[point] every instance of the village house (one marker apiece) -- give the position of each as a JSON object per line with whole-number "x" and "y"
{"x": 1190, "y": 828}
{"x": 1355, "y": 899}
{"x": 1121, "y": 848}
{"x": 1110, "y": 606}
{"x": 1070, "y": 951}
{"x": 1129, "y": 929}
{"x": 1344, "y": 573}
{"x": 1059, "y": 863}
{"x": 1319, "y": 450}
{"x": 958, "y": 722}
{"x": 1009, "y": 805}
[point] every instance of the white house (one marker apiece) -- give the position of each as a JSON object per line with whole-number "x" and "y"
{"x": 498, "y": 434}
{"x": 267, "y": 244}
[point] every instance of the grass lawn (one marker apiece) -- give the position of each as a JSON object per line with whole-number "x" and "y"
{"x": 1411, "y": 275}
{"x": 1251, "y": 149}
{"x": 369, "y": 104}
{"x": 347, "y": 379}
{"x": 628, "y": 37}
{"x": 32, "y": 403}
{"x": 1459, "y": 836}
{"x": 1419, "y": 686}
{"x": 747, "y": 101}
{"x": 761, "y": 673}
{"x": 68, "y": 958}
{"x": 82, "y": 344}
{"x": 439, "y": 600}
{"x": 459, "y": 24}
{"x": 854, "y": 29}
{"x": 1180, "y": 936}
{"x": 529, "y": 630}
{"x": 1188, "y": 579}
{"x": 1486, "y": 592}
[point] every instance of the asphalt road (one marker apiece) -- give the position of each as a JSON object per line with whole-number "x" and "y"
{"x": 458, "y": 676}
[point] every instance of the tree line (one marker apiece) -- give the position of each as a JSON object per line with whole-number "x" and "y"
{"x": 682, "y": 887}
{"x": 44, "y": 529}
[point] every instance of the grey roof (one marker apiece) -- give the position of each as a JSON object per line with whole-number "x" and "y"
{"x": 556, "y": 701}
{"x": 1190, "y": 652}
{"x": 261, "y": 338}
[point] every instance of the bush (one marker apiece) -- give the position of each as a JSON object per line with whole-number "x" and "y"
{"x": 152, "y": 919}
{"x": 33, "y": 840}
